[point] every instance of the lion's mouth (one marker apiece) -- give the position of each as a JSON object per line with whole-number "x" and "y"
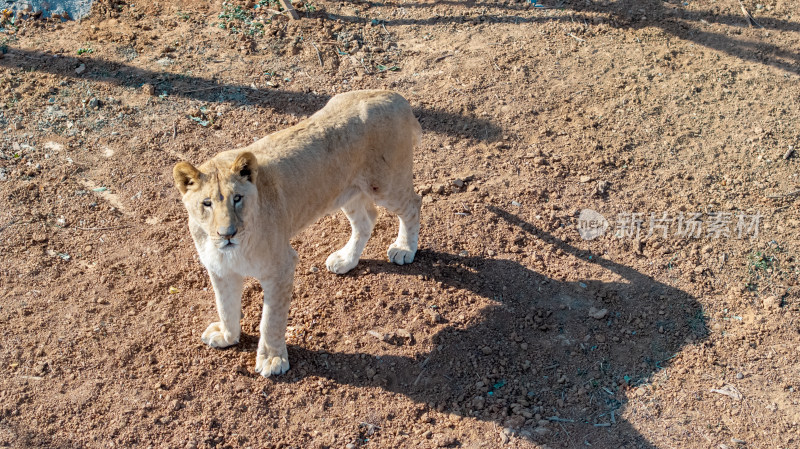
{"x": 227, "y": 245}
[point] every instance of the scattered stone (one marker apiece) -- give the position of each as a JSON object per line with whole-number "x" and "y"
{"x": 379, "y": 335}
{"x": 313, "y": 269}
{"x": 405, "y": 334}
{"x": 433, "y": 316}
{"x": 81, "y": 68}
{"x": 730, "y": 391}
{"x": 601, "y": 188}
{"x": 148, "y": 89}
{"x": 539, "y": 161}
{"x": 788, "y": 154}
{"x": 504, "y": 438}
{"x": 771, "y": 302}
{"x": 739, "y": 376}
{"x": 541, "y": 430}
{"x": 586, "y": 178}
{"x": 350, "y": 446}
{"x": 445, "y": 440}
{"x": 94, "y": 103}
{"x": 370, "y": 372}
{"x": 478, "y": 402}
{"x": 598, "y": 314}
{"x": 486, "y": 350}
{"x": 39, "y": 237}
{"x": 458, "y": 183}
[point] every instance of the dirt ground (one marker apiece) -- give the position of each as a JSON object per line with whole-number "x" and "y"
{"x": 679, "y": 329}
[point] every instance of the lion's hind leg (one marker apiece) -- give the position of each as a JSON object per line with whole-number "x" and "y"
{"x": 361, "y": 213}
{"x": 407, "y": 207}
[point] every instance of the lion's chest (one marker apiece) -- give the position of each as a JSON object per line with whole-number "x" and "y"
{"x": 241, "y": 260}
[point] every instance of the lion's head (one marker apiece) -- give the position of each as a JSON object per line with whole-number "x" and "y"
{"x": 221, "y": 197}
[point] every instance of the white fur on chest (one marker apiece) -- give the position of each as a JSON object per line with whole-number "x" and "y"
{"x": 243, "y": 260}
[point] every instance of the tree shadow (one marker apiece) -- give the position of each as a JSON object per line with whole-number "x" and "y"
{"x": 545, "y": 351}
{"x": 216, "y": 91}
{"x": 672, "y": 17}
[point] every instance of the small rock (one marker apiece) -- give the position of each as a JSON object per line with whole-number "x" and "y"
{"x": 350, "y": 446}
{"x": 433, "y": 316}
{"x": 504, "y": 438}
{"x": 380, "y": 336}
{"x": 457, "y": 183}
{"x": 739, "y": 376}
{"x": 81, "y": 68}
{"x": 601, "y": 188}
{"x": 771, "y": 302}
{"x": 788, "y": 154}
{"x": 39, "y": 237}
{"x": 541, "y": 430}
{"x": 598, "y": 314}
{"x": 478, "y": 402}
{"x": 94, "y": 103}
{"x": 313, "y": 269}
{"x": 585, "y": 179}
{"x": 445, "y": 440}
{"x": 486, "y": 350}
{"x": 148, "y": 89}
{"x": 370, "y": 372}
{"x": 539, "y": 161}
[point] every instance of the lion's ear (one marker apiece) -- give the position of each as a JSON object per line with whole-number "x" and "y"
{"x": 186, "y": 176}
{"x": 245, "y": 166}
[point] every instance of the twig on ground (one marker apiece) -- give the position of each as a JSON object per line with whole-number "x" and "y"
{"x": 200, "y": 90}
{"x": 103, "y": 228}
{"x": 792, "y": 193}
{"x": 319, "y": 57}
{"x": 442, "y": 57}
{"x": 750, "y": 19}
{"x": 575, "y": 37}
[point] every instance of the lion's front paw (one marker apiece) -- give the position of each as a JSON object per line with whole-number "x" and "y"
{"x": 400, "y": 254}
{"x": 267, "y": 365}
{"x": 217, "y": 337}
{"x": 341, "y": 262}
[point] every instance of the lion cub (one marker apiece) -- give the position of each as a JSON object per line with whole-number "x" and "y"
{"x": 245, "y": 205}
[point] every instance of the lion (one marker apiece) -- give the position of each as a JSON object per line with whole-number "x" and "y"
{"x": 245, "y": 205}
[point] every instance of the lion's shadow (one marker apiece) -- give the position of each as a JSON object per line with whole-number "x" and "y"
{"x": 545, "y": 351}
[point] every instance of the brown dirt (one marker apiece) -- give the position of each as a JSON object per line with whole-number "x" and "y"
{"x": 675, "y": 107}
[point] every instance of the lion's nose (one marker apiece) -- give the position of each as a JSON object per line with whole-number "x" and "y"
{"x": 226, "y": 232}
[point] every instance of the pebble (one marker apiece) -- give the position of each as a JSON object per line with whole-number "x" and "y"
{"x": 486, "y": 350}
{"x": 586, "y": 178}
{"x": 504, "y": 438}
{"x": 739, "y": 376}
{"x": 148, "y": 89}
{"x": 350, "y": 446}
{"x": 39, "y": 237}
{"x": 539, "y": 161}
{"x": 788, "y": 154}
{"x": 433, "y": 316}
{"x": 771, "y": 302}
{"x": 313, "y": 270}
{"x": 478, "y": 402}
{"x": 81, "y": 68}
{"x": 458, "y": 183}
{"x": 370, "y": 372}
{"x": 598, "y": 314}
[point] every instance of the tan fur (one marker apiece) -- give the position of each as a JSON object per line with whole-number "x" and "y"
{"x": 352, "y": 154}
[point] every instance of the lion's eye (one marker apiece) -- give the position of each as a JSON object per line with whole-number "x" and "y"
{"x": 207, "y": 202}
{"x": 237, "y": 198}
